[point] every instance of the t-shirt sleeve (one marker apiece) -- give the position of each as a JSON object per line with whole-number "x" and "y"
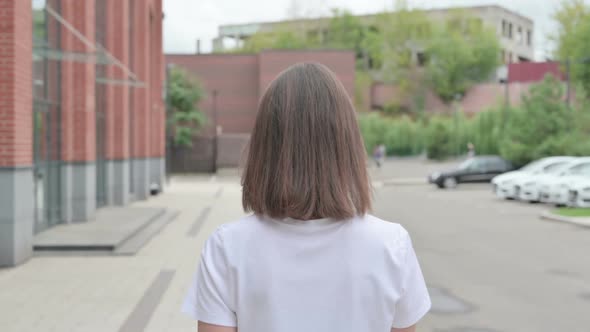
{"x": 208, "y": 299}
{"x": 414, "y": 302}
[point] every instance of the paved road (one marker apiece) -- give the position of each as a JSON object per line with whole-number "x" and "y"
{"x": 493, "y": 265}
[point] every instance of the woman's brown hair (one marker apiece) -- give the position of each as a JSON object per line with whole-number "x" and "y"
{"x": 306, "y": 158}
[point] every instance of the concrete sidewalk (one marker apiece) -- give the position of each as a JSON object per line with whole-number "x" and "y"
{"x": 122, "y": 293}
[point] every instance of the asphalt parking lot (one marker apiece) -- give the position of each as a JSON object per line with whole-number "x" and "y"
{"x": 493, "y": 265}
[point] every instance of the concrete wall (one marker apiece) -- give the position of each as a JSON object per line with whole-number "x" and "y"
{"x": 16, "y": 120}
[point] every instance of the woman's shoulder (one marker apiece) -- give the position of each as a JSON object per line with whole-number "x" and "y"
{"x": 386, "y": 233}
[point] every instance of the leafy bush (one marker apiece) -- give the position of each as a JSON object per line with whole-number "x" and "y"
{"x": 183, "y": 95}
{"x": 373, "y": 128}
{"x": 486, "y": 129}
{"x": 404, "y": 137}
{"x": 439, "y": 139}
{"x": 541, "y": 127}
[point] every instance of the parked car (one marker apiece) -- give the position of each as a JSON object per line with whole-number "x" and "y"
{"x": 509, "y": 185}
{"x": 532, "y": 187}
{"x": 475, "y": 169}
{"x": 579, "y": 194}
{"x": 555, "y": 190}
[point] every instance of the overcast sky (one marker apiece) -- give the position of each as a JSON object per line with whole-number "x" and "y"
{"x": 189, "y": 20}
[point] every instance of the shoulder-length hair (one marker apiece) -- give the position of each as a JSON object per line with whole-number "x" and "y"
{"x": 306, "y": 158}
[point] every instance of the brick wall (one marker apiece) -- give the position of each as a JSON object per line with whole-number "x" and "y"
{"x": 533, "y": 71}
{"x": 78, "y": 81}
{"x": 158, "y": 111}
{"x": 342, "y": 63}
{"x": 117, "y": 112}
{"x": 239, "y": 81}
{"x": 235, "y": 78}
{"x": 15, "y": 83}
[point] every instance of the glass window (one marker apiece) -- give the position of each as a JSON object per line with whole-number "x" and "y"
{"x": 580, "y": 169}
{"x": 529, "y": 37}
{"x": 555, "y": 167}
{"x": 496, "y": 165}
{"x": 531, "y": 167}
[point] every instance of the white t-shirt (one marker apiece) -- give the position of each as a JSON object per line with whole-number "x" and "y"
{"x": 265, "y": 275}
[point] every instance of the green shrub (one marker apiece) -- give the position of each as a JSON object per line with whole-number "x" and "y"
{"x": 485, "y": 131}
{"x": 373, "y": 128}
{"x": 439, "y": 139}
{"x": 404, "y": 137}
{"x": 541, "y": 127}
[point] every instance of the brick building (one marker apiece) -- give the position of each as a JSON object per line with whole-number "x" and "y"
{"x": 233, "y": 84}
{"x": 81, "y": 112}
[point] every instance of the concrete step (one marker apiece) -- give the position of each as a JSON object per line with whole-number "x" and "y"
{"x": 114, "y": 228}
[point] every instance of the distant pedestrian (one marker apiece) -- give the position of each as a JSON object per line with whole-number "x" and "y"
{"x": 310, "y": 257}
{"x": 379, "y": 154}
{"x": 470, "y": 150}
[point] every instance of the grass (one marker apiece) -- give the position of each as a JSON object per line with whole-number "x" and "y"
{"x": 577, "y": 212}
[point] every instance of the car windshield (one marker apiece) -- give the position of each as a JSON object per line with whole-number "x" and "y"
{"x": 561, "y": 169}
{"x": 466, "y": 164}
{"x": 531, "y": 167}
{"x": 556, "y": 167}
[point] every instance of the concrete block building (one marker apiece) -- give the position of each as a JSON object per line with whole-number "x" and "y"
{"x": 515, "y": 31}
{"x": 82, "y": 117}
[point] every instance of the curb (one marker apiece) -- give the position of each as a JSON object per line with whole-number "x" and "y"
{"x": 405, "y": 182}
{"x": 584, "y": 222}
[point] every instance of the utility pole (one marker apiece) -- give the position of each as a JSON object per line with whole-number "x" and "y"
{"x": 216, "y": 133}
{"x": 568, "y": 81}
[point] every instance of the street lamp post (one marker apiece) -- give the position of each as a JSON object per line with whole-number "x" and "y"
{"x": 568, "y": 69}
{"x": 216, "y": 130}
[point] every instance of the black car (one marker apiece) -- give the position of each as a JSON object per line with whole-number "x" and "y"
{"x": 475, "y": 169}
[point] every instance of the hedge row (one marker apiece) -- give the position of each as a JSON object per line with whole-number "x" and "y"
{"x": 542, "y": 126}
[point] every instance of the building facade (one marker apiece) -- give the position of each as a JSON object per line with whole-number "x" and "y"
{"x": 82, "y": 117}
{"x": 233, "y": 84}
{"x": 515, "y": 32}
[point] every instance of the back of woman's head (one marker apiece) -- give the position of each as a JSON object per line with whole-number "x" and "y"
{"x": 306, "y": 157}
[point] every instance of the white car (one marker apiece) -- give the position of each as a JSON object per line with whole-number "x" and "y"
{"x": 555, "y": 190}
{"x": 579, "y": 194}
{"x": 534, "y": 187}
{"x": 509, "y": 185}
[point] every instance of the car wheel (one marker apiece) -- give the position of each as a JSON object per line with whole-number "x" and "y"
{"x": 450, "y": 183}
{"x": 517, "y": 192}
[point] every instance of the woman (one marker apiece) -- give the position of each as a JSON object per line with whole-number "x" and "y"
{"x": 309, "y": 258}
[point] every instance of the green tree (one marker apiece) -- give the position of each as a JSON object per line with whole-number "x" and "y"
{"x": 573, "y": 39}
{"x": 282, "y": 38}
{"x": 399, "y": 36}
{"x": 183, "y": 96}
{"x": 541, "y": 126}
{"x": 461, "y": 53}
{"x": 345, "y": 31}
